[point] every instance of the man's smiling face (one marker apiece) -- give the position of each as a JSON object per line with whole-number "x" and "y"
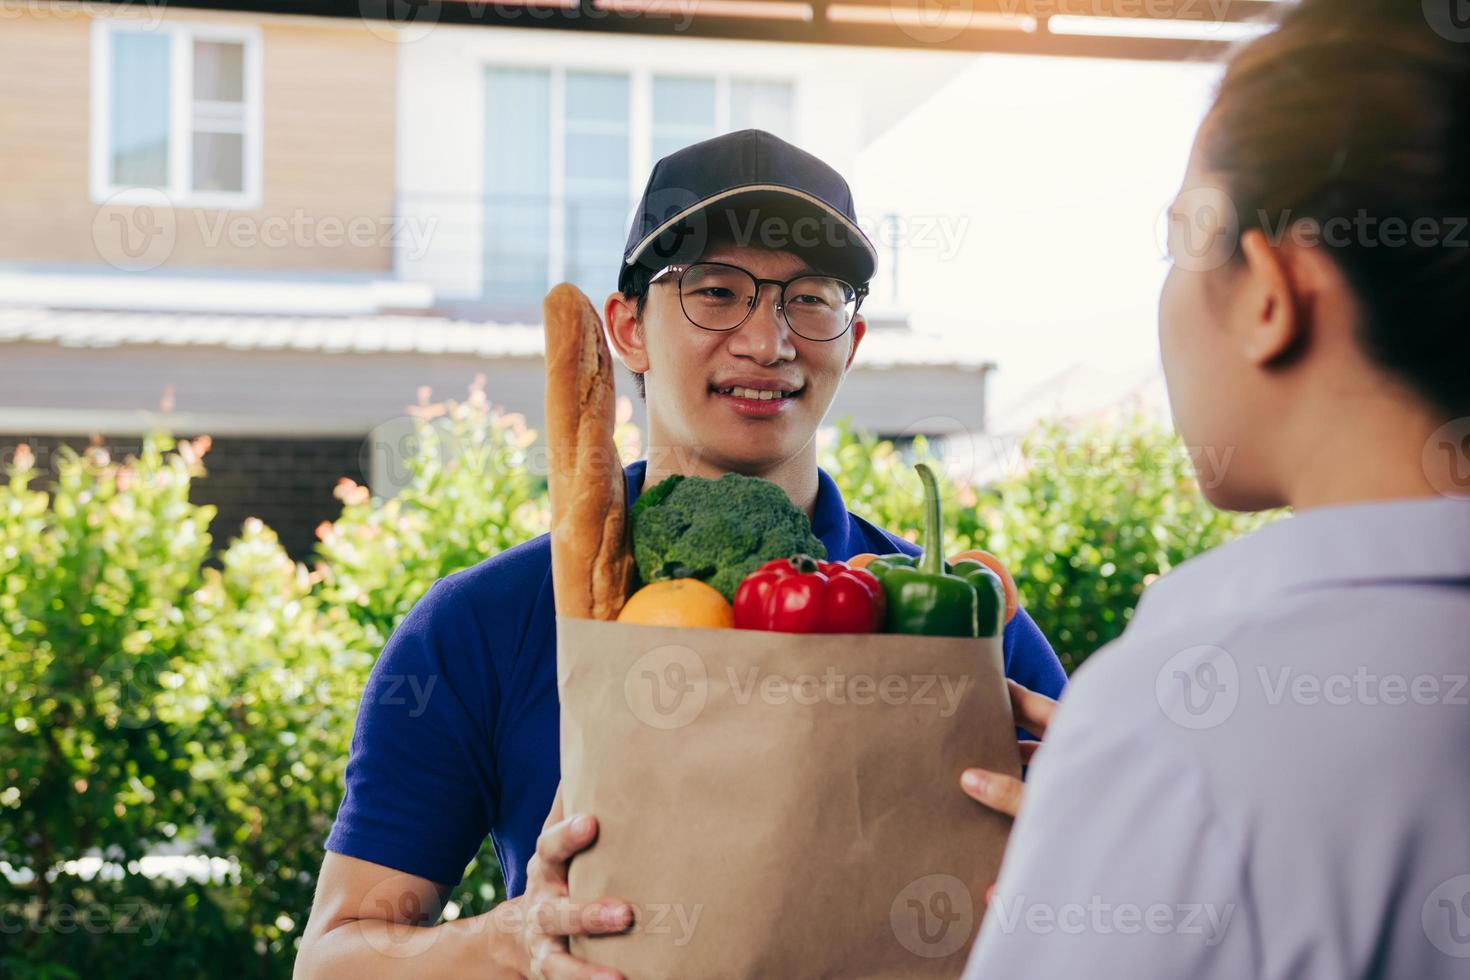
{"x": 743, "y": 400}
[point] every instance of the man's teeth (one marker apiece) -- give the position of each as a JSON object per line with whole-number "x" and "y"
{"x": 759, "y": 394}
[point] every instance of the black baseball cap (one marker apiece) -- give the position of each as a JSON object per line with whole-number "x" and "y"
{"x": 753, "y": 188}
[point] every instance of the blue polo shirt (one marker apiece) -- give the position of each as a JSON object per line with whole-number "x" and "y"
{"x": 458, "y": 732}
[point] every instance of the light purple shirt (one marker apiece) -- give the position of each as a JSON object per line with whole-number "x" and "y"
{"x": 1267, "y": 775}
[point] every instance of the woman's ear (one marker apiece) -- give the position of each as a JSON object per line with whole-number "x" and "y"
{"x": 1274, "y": 324}
{"x": 620, "y": 313}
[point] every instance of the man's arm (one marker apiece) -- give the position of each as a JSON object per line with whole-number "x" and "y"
{"x": 373, "y": 923}
{"x": 1029, "y": 658}
{"x": 370, "y": 922}
{"x": 420, "y": 798}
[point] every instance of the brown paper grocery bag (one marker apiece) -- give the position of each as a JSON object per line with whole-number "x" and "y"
{"x": 782, "y": 806}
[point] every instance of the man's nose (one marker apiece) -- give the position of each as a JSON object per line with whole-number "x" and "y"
{"x": 764, "y": 337}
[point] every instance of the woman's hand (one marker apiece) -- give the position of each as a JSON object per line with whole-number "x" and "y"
{"x": 998, "y": 791}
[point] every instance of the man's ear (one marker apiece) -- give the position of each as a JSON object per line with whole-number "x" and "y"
{"x": 1277, "y": 300}
{"x": 859, "y": 329}
{"x": 625, "y": 332}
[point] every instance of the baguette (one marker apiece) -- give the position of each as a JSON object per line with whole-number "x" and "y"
{"x": 591, "y": 560}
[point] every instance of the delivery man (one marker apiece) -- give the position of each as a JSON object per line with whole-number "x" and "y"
{"x": 477, "y": 754}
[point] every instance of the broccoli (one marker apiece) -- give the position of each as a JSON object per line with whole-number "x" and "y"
{"x": 718, "y": 531}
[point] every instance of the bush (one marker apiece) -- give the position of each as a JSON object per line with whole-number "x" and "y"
{"x": 269, "y": 693}
{"x": 150, "y": 703}
{"x": 95, "y": 580}
{"x": 1091, "y": 515}
{"x": 471, "y": 489}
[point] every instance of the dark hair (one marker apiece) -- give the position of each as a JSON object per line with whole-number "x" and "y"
{"x": 1359, "y": 111}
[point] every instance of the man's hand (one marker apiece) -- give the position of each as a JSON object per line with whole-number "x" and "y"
{"x": 996, "y": 790}
{"x": 550, "y": 916}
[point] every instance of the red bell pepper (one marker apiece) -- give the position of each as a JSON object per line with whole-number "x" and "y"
{"x": 805, "y": 595}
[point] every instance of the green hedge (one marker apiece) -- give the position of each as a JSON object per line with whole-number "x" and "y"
{"x": 150, "y": 701}
{"x": 1083, "y": 516}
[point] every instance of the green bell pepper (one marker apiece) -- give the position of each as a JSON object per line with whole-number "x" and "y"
{"x": 927, "y": 597}
{"x": 988, "y": 590}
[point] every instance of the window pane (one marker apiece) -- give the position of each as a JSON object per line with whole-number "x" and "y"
{"x": 596, "y": 95}
{"x": 219, "y": 162}
{"x": 596, "y": 194}
{"x": 517, "y": 185}
{"x": 139, "y": 109}
{"x": 684, "y": 101}
{"x": 762, "y": 105}
{"x": 219, "y": 71}
{"x": 219, "y": 117}
{"x": 683, "y": 113}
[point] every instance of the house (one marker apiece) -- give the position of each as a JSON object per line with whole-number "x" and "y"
{"x": 279, "y": 227}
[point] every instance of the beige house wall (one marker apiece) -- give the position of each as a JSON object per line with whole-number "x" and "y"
{"x": 329, "y": 98}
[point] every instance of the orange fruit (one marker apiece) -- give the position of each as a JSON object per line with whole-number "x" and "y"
{"x": 861, "y": 561}
{"x": 986, "y": 558}
{"x": 678, "y": 602}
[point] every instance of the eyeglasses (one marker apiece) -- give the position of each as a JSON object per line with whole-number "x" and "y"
{"x": 720, "y": 297}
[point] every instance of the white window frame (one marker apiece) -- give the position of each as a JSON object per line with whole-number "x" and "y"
{"x": 179, "y": 188}
{"x": 640, "y": 125}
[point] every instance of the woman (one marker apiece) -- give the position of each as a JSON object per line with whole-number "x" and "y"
{"x": 1268, "y": 775}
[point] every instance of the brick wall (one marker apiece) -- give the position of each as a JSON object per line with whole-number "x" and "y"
{"x": 287, "y": 483}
